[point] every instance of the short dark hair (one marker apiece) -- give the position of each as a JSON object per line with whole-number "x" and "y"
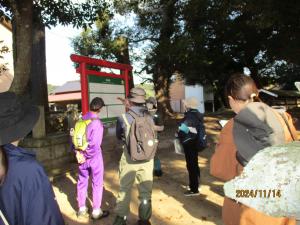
{"x": 96, "y": 104}
{"x": 241, "y": 87}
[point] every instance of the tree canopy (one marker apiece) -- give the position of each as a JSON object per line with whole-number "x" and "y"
{"x": 206, "y": 40}
{"x": 27, "y": 16}
{"x": 203, "y": 40}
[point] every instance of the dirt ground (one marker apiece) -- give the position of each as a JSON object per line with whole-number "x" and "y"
{"x": 170, "y": 206}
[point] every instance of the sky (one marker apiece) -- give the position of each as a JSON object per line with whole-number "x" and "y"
{"x": 58, "y": 50}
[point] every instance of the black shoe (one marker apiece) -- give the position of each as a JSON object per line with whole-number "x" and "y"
{"x": 104, "y": 214}
{"x": 144, "y": 222}
{"x": 191, "y": 193}
{"x": 157, "y": 173}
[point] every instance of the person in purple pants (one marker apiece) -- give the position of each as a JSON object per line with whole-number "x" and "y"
{"x": 91, "y": 163}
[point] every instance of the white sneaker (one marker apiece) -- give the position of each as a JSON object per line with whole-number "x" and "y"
{"x": 96, "y": 213}
{"x": 82, "y": 212}
{"x": 187, "y": 187}
{"x": 99, "y": 214}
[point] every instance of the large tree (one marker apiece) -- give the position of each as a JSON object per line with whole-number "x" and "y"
{"x": 105, "y": 40}
{"x": 226, "y": 36}
{"x": 158, "y": 24}
{"x": 207, "y": 40}
{"x": 29, "y": 18}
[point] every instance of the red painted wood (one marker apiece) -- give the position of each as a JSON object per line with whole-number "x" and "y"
{"x": 126, "y": 82}
{"x": 84, "y": 72}
{"x": 84, "y": 89}
{"x": 99, "y": 62}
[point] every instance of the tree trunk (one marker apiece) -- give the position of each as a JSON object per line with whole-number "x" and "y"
{"x": 163, "y": 68}
{"x": 220, "y": 100}
{"x": 124, "y": 57}
{"x": 161, "y": 87}
{"x": 22, "y": 44}
{"x": 38, "y": 78}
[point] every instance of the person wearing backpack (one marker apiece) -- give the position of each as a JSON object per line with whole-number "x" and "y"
{"x": 192, "y": 136}
{"x": 136, "y": 129}
{"x": 87, "y": 139}
{"x": 151, "y": 105}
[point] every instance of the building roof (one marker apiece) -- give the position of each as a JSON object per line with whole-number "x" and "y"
{"x": 68, "y": 87}
{"x": 65, "y": 97}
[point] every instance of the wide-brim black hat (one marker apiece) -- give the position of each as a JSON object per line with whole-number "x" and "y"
{"x": 17, "y": 117}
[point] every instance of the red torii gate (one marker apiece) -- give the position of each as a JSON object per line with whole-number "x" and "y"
{"x": 84, "y": 72}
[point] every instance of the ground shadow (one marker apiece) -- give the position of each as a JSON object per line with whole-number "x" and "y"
{"x": 67, "y": 185}
{"x": 207, "y": 210}
{"x": 167, "y": 189}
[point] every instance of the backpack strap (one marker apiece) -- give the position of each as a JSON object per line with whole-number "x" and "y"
{"x": 133, "y": 114}
{"x": 287, "y": 125}
{"x": 127, "y": 124}
{"x": 3, "y": 218}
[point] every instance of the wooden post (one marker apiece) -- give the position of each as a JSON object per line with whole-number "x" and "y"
{"x": 126, "y": 82}
{"x": 39, "y": 130}
{"x": 84, "y": 88}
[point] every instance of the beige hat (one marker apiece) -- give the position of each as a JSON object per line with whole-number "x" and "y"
{"x": 137, "y": 95}
{"x": 5, "y": 81}
{"x": 191, "y": 103}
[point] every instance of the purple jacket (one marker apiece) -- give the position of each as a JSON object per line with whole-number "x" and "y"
{"x": 94, "y": 135}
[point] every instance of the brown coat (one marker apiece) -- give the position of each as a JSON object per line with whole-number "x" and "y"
{"x": 5, "y": 81}
{"x": 224, "y": 166}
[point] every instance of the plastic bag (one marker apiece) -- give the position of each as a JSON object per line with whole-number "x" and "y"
{"x": 178, "y": 147}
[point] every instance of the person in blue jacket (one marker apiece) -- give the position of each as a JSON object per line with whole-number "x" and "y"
{"x": 151, "y": 105}
{"x": 189, "y": 138}
{"x": 26, "y": 195}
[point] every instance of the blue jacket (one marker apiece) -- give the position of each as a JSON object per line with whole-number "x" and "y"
{"x": 192, "y": 118}
{"x": 26, "y": 196}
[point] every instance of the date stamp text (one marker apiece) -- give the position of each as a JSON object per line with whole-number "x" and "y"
{"x": 265, "y": 193}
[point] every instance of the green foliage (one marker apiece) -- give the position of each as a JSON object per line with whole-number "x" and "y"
{"x": 51, "y": 13}
{"x": 224, "y": 37}
{"x": 104, "y": 40}
{"x": 206, "y": 40}
{"x": 51, "y": 88}
{"x": 149, "y": 88}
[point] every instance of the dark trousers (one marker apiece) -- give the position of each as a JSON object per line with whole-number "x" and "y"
{"x": 191, "y": 158}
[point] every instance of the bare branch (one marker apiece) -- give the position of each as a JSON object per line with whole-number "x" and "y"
{"x": 144, "y": 39}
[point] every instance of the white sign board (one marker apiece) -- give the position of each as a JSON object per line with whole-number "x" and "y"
{"x": 196, "y": 91}
{"x": 109, "y": 89}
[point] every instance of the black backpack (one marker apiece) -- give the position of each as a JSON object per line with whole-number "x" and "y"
{"x": 200, "y": 138}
